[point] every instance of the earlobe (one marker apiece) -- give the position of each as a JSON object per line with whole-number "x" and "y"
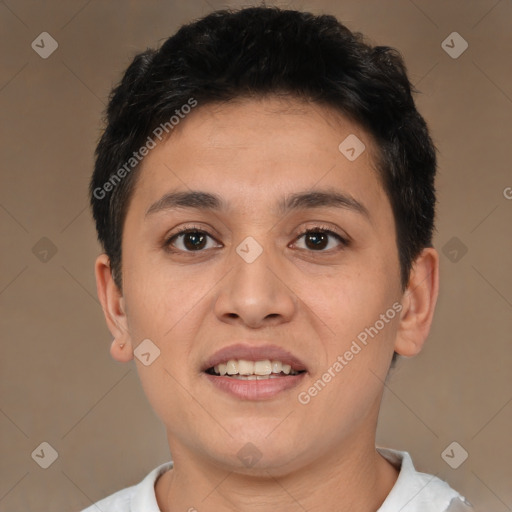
{"x": 419, "y": 303}
{"x": 120, "y": 351}
{"x": 112, "y": 303}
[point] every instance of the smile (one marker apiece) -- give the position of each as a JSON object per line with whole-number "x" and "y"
{"x": 247, "y": 371}
{"x": 243, "y": 369}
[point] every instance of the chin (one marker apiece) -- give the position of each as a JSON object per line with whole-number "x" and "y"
{"x": 256, "y": 453}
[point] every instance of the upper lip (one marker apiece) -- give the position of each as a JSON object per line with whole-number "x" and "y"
{"x": 254, "y": 353}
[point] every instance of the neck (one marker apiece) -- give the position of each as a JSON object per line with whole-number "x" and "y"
{"x": 343, "y": 480}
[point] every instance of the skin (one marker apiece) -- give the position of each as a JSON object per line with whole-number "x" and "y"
{"x": 312, "y": 302}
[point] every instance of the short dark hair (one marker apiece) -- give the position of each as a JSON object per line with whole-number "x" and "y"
{"x": 262, "y": 51}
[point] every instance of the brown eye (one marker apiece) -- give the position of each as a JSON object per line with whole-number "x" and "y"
{"x": 189, "y": 240}
{"x": 194, "y": 240}
{"x": 318, "y": 239}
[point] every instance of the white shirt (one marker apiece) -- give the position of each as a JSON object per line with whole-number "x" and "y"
{"x": 412, "y": 492}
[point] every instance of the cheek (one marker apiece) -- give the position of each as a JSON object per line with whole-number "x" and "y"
{"x": 157, "y": 296}
{"x": 363, "y": 316}
{"x": 165, "y": 391}
{"x": 167, "y": 306}
{"x": 354, "y": 298}
{"x": 349, "y": 384}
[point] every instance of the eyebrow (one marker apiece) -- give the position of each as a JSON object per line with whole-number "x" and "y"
{"x": 200, "y": 200}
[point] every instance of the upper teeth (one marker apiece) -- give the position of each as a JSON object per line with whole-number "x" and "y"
{"x": 244, "y": 367}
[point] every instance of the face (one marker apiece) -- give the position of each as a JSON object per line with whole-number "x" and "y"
{"x": 290, "y": 259}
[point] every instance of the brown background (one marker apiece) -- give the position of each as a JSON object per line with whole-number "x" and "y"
{"x": 58, "y": 382}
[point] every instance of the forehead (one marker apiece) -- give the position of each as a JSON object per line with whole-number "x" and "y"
{"x": 254, "y": 150}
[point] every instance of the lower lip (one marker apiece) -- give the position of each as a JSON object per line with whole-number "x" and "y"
{"x": 255, "y": 389}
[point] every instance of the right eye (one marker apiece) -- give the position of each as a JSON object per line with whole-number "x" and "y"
{"x": 189, "y": 240}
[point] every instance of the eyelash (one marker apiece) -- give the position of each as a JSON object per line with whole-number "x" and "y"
{"x": 194, "y": 229}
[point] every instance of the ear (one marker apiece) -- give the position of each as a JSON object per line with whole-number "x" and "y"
{"x": 419, "y": 302}
{"x": 112, "y": 302}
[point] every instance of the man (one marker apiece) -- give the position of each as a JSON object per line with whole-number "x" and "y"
{"x": 264, "y": 194}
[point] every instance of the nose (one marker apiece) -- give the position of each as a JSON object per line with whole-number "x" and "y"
{"x": 256, "y": 293}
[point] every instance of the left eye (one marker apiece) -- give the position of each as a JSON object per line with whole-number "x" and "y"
{"x": 191, "y": 240}
{"x": 317, "y": 239}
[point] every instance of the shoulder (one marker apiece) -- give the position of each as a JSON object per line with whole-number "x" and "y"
{"x": 419, "y": 492}
{"x": 137, "y": 498}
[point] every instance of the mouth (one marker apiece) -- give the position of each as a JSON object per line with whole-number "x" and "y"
{"x": 254, "y": 373}
{"x": 243, "y": 369}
